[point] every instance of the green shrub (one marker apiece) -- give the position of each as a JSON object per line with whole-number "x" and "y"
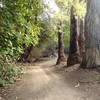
{"x": 9, "y": 73}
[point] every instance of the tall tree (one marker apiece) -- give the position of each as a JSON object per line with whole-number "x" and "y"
{"x": 76, "y": 50}
{"x": 91, "y": 58}
{"x": 61, "y": 54}
{"x": 74, "y": 54}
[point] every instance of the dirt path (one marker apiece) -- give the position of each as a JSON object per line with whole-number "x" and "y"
{"x": 45, "y": 82}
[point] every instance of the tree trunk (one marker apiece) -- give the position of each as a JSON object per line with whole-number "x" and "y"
{"x": 74, "y": 54}
{"x": 91, "y": 58}
{"x": 24, "y": 56}
{"x": 81, "y": 40}
{"x": 61, "y": 54}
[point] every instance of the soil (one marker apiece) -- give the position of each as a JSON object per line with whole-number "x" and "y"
{"x": 46, "y": 81}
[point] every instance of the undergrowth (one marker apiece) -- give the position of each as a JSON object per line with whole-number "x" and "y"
{"x": 9, "y": 73}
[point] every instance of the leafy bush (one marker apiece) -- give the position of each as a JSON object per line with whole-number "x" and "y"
{"x": 9, "y": 46}
{"x": 19, "y": 24}
{"x": 9, "y": 73}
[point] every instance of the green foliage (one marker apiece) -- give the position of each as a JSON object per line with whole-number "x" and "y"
{"x": 9, "y": 46}
{"x": 9, "y": 73}
{"x": 19, "y": 24}
{"x": 66, "y": 29}
{"x": 64, "y": 15}
{"x": 48, "y": 38}
{"x": 79, "y": 7}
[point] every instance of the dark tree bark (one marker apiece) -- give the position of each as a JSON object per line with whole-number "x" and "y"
{"x": 81, "y": 40}
{"x": 91, "y": 58}
{"x": 24, "y": 56}
{"x": 74, "y": 54}
{"x": 61, "y": 54}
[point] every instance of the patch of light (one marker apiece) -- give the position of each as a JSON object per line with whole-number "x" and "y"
{"x": 52, "y": 8}
{"x": 1, "y": 5}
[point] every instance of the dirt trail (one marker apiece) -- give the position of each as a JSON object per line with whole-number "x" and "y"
{"x": 45, "y": 82}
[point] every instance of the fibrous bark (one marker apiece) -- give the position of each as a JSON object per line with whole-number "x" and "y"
{"x": 74, "y": 54}
{"x": 91, "y": 58}
{"x": 81, "y": 38}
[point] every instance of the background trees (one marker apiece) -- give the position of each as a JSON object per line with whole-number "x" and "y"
{"x": 61, "y": 53}
{"x": 76, "y": 49}
{"x": 30, "y": 29}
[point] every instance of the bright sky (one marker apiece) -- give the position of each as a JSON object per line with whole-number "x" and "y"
{"x": 1, "y": 5}
{"x": 52, "y": 7}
